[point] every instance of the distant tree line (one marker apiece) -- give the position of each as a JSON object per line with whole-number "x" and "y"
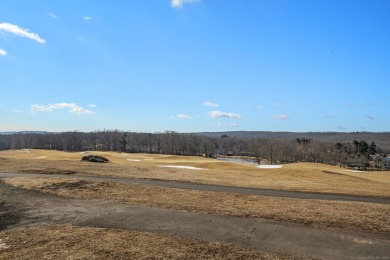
{"x": 273, "y": 151}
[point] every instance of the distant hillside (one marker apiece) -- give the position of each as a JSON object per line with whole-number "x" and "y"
{"x": 25, "y": 132}
{"x": 382, "y": 140}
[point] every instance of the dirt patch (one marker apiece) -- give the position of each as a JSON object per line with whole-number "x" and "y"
{"x": 68, "y": 185}
{"x": 8, "y": 216}
{"x": 330, "y": 172}
{"x": 319, "y": 213}
{"x": 49, "y": 171}
{"x": 69, "y": 242}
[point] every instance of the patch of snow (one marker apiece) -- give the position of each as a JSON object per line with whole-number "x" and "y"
{"x": 133, "y": 160}
{"x": 3, "y": 245}
{"x": 269, "y": 166}
{"x": 181, "y": 167}
{"x": 354, "y": 171}
{"x": 40, "y": 157}
{"x": 364, "y": 241}
{"x": 124, "y": 154}
{"x": 82, "y": 152}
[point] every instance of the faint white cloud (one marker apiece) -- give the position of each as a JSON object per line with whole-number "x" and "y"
{"x": 17, "y": 111}
{"x": 282, "y": 117}
{"x": 278, "y": 104}
{"x": 330, "y": 117}
{"x": 73, "y": 108}
{"x": 11, "y": 28}
{"x": 234, "y": 125}
{"x": 341, "y": 128}
{"x": 369, "y": 117}
{"x": 87, "y": 18}
{"x": 259, "y": 107}
{"x": 210, "y": 104}
{"x": 182, "y": 116}
{"x": 3, "y": 52}
{"x": 219, "y": 114}
{"x": 92, "y": 105}
{"x": 217, "y": 124}
{"x": 180, "y": 3}
{"x": 53, "y": 15}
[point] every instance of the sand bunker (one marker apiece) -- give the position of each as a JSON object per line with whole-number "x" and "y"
{"x": 181, "y": 167}
{"x": 40, "y": 157}
{"x": 269, "y": 166}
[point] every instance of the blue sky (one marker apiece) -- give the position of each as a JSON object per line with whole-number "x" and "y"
{"x": 190, "y": 66}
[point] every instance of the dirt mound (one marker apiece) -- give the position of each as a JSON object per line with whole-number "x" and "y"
{"x": 95, "y": 158}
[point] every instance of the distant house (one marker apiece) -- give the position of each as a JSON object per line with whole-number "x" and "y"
{"x": 356, "y": 164}
{"x": 374, "y": 157}
{"x": 386, "y": 162}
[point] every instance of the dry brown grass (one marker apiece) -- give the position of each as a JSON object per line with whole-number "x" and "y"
{"x": 298, "y": 176}
{"x": 68, "y": 242}
{"x": 329, "y": 214}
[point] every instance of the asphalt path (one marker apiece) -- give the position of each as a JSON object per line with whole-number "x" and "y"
{"x": 217, "y": 188}
{"x": 21, "y": 208}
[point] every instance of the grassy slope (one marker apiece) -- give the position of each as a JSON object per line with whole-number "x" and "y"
{"x": 298, "y": 176}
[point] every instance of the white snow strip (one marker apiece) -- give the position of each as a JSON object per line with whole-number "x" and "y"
{"x": 124, "y": 154}
{"x": 133, "y": 160}
{"x": 3, "y": 245}
{"x": 181, "y": 167}
{"x": 269, "y": 166}
{"x": 353, "y": 171}
{"x": 40, "y": 157}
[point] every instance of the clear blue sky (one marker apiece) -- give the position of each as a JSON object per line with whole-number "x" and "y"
{"x": 189, "y": 66}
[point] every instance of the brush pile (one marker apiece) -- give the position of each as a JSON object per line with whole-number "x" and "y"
{"x": 95, "y": 158}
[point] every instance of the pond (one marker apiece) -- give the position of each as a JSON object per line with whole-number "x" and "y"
{"x": 238, "y": 160}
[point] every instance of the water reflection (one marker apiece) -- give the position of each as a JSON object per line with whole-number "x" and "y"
{"x": 238, "y": 160}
